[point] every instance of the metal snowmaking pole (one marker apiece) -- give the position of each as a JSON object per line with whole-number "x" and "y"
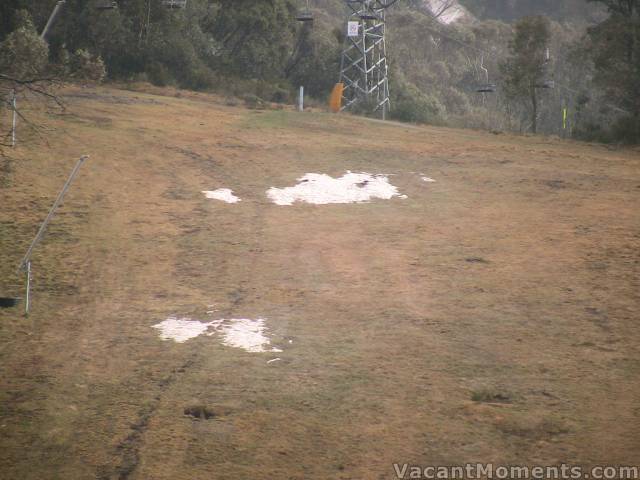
{"x": 301, "y": 100}
{"x": 25, "y": 265}
{"x": 52, "y": 19}
{"x": 14, "y": 112}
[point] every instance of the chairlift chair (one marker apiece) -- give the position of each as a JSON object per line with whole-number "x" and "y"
{"x": 305, "y": 16}
{"x": 107, "y": 6}
{"x": 367, "y": 9}
{"x": 174, "y": 4}
{"x": 369, "y": 15}
{"x": 487, "y": 88}
{"x": 547, "y": 84}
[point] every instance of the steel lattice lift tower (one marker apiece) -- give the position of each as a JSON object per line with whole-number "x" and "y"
{"x": 364, "y": 71}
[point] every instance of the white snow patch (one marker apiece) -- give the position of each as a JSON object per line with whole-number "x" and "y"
{"x": 321, "y": 189}
{"x": 247, "y": 334}
{"x": 223, "y": 194}
{"x": 244, "y": 333}
{"x": 181, "y": 329}
{"x": 446, "y": 11}
{"x": 427, "y": 179}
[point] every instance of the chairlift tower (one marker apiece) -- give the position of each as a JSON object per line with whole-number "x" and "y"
{"x": 364, "y": 71}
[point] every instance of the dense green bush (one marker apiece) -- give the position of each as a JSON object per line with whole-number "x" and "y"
{"x": 23, "y": 54}
{"x": 158, "y": 74}
{"x": 84, "y": 66}
{"x": 626, "y": 130}
{"x": 411, "y": 105}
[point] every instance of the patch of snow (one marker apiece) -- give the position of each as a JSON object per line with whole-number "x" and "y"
{"x": 223, "y": 194}
{"x": 239, "y": 333}
{"x": 427, "y": 179}
{"x": 181, "y": 329}
{"x": 247, "y": 334}
{"x": 321, "y": 189}
{"x": 274, "y": 360}
{"x": 446, "y": 11}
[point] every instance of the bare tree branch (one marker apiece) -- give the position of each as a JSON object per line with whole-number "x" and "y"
{"x": 36, "y": 87}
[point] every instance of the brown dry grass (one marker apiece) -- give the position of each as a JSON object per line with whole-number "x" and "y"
{"x": 512, "y": 281}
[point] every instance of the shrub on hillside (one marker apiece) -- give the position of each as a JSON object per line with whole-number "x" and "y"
{"x": 158, "y": 74}
{"x": 413, "y": 106}
{"x": 626, "y": 130}
{"x": 23, "y": 54}
{"x": 84, "y": 66}
{"x": 456, "y": 102}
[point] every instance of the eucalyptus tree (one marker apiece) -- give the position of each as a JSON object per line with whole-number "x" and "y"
{"x": 615, "y": 50}
{"x": 525, "y": 68}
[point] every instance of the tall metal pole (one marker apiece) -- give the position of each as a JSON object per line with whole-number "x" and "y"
{"x": 301, "y": 100}
{"x": 27, "y": 302}
{"x": 146, "y": 27}
{"x": 52, "y": 19}
{"x": 365, "y": 49}
{"x": 14, "y": 119}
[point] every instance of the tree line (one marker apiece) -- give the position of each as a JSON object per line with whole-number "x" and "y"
{"x": 256, "y": 49}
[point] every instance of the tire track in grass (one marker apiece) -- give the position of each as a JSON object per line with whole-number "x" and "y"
{"x": 129, "y": 449}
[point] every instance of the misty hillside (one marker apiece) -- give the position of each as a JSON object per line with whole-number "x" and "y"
{"x": 573, "y": 80}
{"x": 509, "y": 10}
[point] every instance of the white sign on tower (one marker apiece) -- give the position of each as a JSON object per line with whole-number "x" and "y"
{"x": 353, "y": 28}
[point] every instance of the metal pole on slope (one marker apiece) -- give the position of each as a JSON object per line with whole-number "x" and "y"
{"x": 38, "y": 237}
{"x": 26, "y": 261}
{"x": 27, "y": 297}
{"x": 14, "y": 119}
{"x": 301, "y": 100}
{"x": 52, "y": 19}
